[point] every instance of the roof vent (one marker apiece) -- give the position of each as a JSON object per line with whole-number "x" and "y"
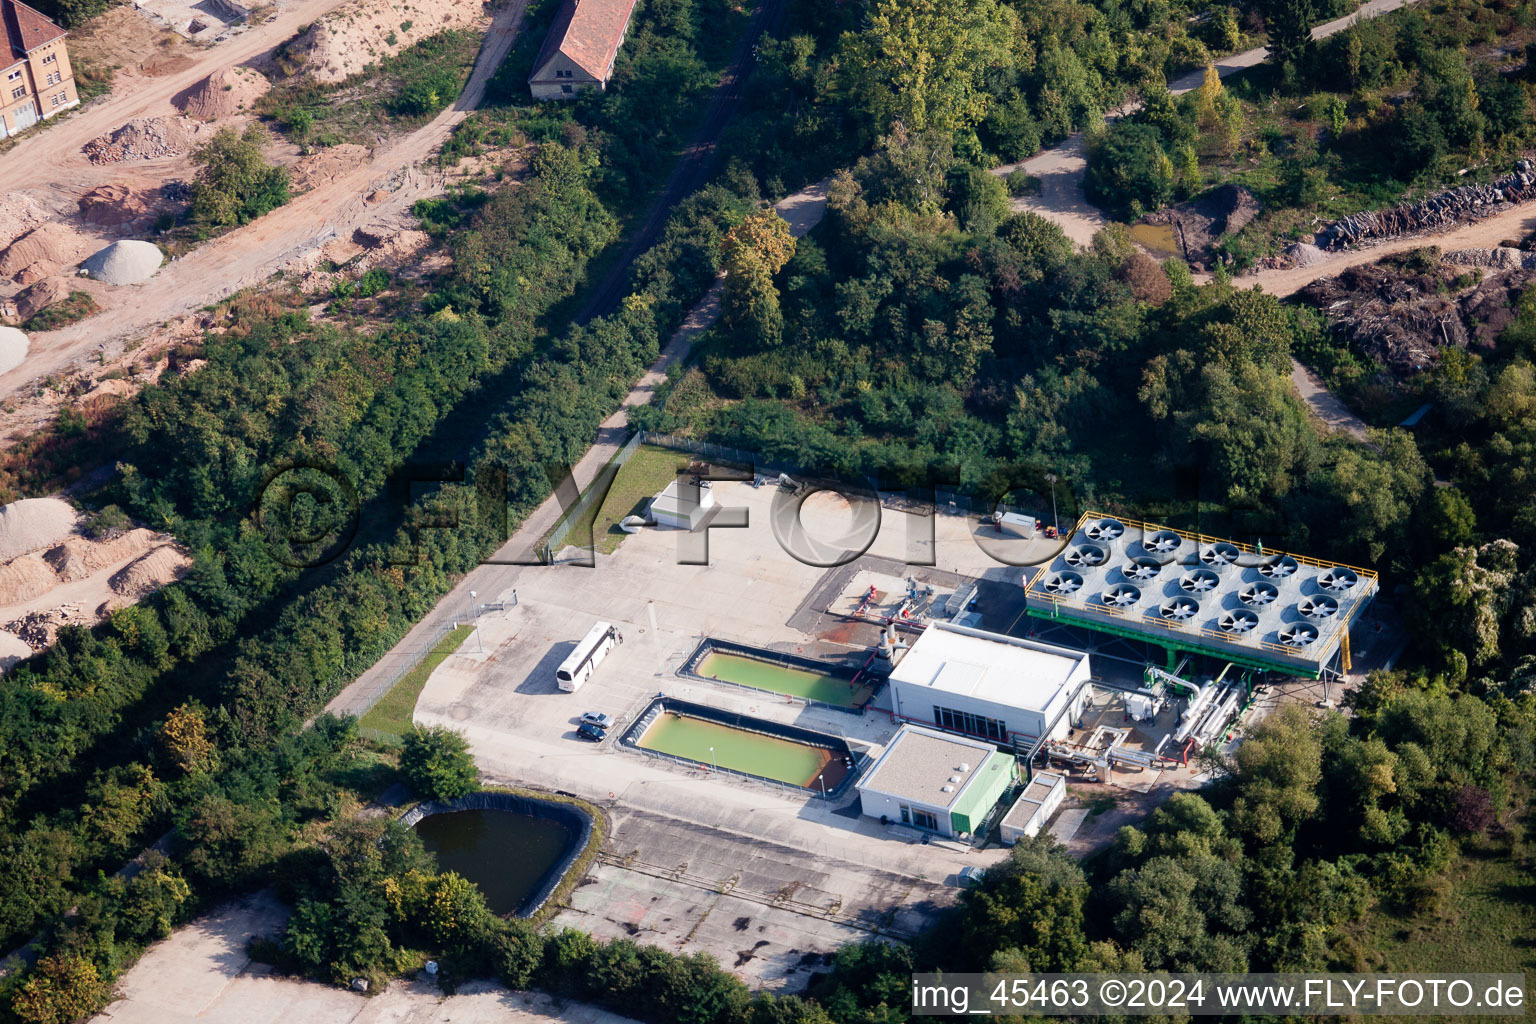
{"x": 1239, "y": 622}
{"x": 1299, "y": 634}
{"x": 1280, "y": 568}
{"x": 954, "y": 778}
{"x": 1219, "y": 554}
{"x": 1121, "y": 595}
{"x": 1338, "y": 579}
{"x": 1180, "y": 609}
{"x": 1318, "y": 607}
{"x": 1105, "y": 529}
{"x": 1142, "y": 569}
{"x": 965, "y": 766}
{"x": 1257, "y": 595}
{"x": 1063, "y": 583}
{"x": 1086, "y": 554}
{"x": 1199, "y": 581}
{"x": 1163, "y": 542}
{"x": 947, "y": 789}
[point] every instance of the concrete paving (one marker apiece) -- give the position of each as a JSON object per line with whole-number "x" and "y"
{"x": 202, "y": 973}
{"x": 691, "y": 849}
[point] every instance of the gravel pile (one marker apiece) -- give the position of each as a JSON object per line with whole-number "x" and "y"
{"x": 146, "y": 138}
{"x": 125, "y": 262}
{"x": 1304, "y": 254}
{"x": 32, "y": 524}
{"x": 13, "y": 348}
{"x": 19, "y": 213}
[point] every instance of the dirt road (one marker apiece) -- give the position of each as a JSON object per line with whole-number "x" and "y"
{"x": 1062, "y": 168}
{"x": 251, "y": 254}
{"x": 52, "y": 159}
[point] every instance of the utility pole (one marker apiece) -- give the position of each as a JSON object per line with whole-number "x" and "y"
{"x": 1055, "y": 519}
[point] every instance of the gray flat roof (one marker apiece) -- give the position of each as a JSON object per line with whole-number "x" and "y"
{"x": 988, "y": 666}
{"x": 919, "y": 763}
{"x": 1119, "y": 575}
{"x": 1032, "y": 798}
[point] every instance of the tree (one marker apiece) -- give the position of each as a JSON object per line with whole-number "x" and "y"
{"x": 437, "y": 762}
{"x": 1290, "y": 29}
{"x": 184, "y": 738}
{"x": 235, "y": 184}
{"x": 1278, "y": 770}
{"x": 63, "y": 988}
{"x": 924, "y": 63}
{"x": 1128, "y": 172}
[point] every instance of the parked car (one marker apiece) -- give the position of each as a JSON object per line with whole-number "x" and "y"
{"x": 588, "y": 731}
{"x": 598, "y": 719}
{"x": 971, "y": 875}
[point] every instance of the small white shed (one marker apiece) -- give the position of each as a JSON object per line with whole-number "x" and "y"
{"x": 682, "y": 506}
{"x": 1034, "y": 806}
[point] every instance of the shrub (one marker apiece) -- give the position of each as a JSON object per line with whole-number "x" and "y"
{"x": 437, "y": 763}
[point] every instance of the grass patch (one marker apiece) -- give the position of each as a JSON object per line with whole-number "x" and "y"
{"x": 391, "y": 716}
{"x": 648, "y": 470}
{"x": 78, "y": 306}
{"x": 397, "y": 94}
{"x": 1481, "y": 915}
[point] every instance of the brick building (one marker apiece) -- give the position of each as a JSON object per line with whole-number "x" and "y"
{"x": 36, "y": 80}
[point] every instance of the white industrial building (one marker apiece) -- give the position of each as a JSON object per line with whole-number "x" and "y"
{"x": 999, "y": 688}
{"x": 682, "y": 507}
{"x": 936, "y": 782}
{"x": 1034, "y": 807}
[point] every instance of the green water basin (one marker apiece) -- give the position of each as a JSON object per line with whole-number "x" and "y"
{"x": 740, "y": 750}
{"x": 795, "y": 682}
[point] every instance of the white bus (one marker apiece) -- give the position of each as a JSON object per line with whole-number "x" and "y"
{"x": 577, "y": 669}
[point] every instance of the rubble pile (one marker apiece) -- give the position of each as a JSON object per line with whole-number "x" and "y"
{"x": 144, "y": 138}
{"x": 1404, "y": 318}
{"x": 1459, "y": 205}
{"x": 1501, "y": 258}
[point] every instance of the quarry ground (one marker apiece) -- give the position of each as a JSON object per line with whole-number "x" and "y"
{"x": 202, "y": 973}
{"x": 377, "y": 191}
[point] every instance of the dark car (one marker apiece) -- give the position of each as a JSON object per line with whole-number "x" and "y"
{"x": 588, "y": 731}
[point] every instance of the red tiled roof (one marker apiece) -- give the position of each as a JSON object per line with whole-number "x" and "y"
{"x": 26, "y": 29}
{"x": 588, "y": 32}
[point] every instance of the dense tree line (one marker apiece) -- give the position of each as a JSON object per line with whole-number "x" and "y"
{"x": 100, "y": 736}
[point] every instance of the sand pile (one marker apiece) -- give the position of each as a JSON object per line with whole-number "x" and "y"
{"x": 327, "y": 165}
{"x": 22, "y": 579}
{"x": 125, "y": 262}
{"x": 344, "y": 42}
{"x": 224, "y": 94}
{"x": 19, "y": 213}
{"x": 151, "y": 571}
{"x": 32, "y": 524}
{"x": 145, "y": 138}
{"x": 79, "y": 557}
{"x": 40, "y": 296}
{"x": 112, "y": 206}
{"x": 13, "y": 348}
{"x": 42, "y": 252}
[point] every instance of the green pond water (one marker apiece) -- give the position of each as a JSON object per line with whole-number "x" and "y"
{"x": 797, "y": 682}
{"x": 767, "y": 756}
{"x": 507, "y": 855}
